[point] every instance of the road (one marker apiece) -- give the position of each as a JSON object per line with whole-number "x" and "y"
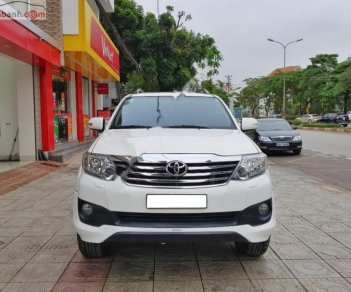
{"x": 327, "y": 142}
{"x": 326, "y": 156}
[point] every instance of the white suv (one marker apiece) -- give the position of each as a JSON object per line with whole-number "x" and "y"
{"x": 169, "y": 167}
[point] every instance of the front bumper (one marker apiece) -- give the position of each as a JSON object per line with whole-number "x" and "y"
{"x": 279, "y": 146}
{"x": 120, "y": 197}
{"x": 119, "y": 233}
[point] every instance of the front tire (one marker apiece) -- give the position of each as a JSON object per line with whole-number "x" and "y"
{"x": 252, "y": 249}
{"x": 297, "y": 151}
{"x": 92, "y": 250}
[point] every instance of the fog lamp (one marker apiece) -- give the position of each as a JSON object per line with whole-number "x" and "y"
{"x": 263, "y": 209}
{"x": 87, "y": 209}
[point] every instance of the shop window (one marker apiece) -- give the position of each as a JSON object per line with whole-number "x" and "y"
{"x": 62, "y": 110}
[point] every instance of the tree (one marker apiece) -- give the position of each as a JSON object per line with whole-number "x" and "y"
{"x": 250, "y": 96}
{"x": 168, "y": 53}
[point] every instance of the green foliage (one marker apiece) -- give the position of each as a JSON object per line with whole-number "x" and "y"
{"x": 297, "y": 122}
{"x": 324, "y": 86}
{"x": 321, "y": 125}
{"x": 168, "y": 53}
{"x": 215, "y": 89}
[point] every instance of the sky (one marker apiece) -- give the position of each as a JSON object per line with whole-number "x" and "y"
{"x": 241, "y": 29}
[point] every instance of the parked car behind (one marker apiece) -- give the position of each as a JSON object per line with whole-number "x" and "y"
{"x": 349, "y": 115}
{"x": 309, "y": 118}
{"x": 277, "y": 135}
{"x": 337, "y": 118}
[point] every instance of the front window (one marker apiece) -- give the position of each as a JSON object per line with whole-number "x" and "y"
{"x": 173, "y": 112}
{"x": 273, "y": 125}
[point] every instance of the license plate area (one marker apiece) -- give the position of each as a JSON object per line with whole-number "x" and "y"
{"x": 176, "y": 201}
{"x": 282, "y": 144}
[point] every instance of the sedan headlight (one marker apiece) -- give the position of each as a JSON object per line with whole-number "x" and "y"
{"x": 264, "y": 139}
{"x": 297, "y": 138}
{"x": 101, "y": 166}
{"x": 251, "y": 166}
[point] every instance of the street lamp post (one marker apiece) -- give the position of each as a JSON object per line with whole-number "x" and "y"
{"x": 284, "y": 83}
{"x": 158, "y": 9}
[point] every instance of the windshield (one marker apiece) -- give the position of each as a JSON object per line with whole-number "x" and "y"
{"x": 271, "y": 125}
{"x": 170, "y": 112}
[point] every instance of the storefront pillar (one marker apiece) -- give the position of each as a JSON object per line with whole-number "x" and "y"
{"x": 47, "y": 107}
{"x": 79, "y": 106}
{"x": 93, "y": 86}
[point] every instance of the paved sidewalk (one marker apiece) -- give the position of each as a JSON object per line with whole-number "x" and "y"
{"x": 310, "y": 249}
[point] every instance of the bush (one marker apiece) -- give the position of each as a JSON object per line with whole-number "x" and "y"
{"x": 321, "y": 125}
{"x": 297, "y": 122}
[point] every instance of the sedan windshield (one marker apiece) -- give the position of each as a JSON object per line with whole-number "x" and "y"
{"x": 169, "y": 112}
{"x": 273, "y": 125}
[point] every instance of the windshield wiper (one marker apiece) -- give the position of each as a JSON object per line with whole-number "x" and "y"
{"x": 186, "y": 127}
{"x": 133, "y": 127}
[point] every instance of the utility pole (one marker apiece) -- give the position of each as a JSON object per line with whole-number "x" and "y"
{"x": 158, "y": 8}
{"x": 229, "y": 82}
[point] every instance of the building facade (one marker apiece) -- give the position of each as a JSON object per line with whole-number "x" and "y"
{"x": 49, "y": 72}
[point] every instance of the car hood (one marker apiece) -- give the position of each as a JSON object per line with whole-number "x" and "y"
{"x": 278, "y": 133}
{"x": 135, "y": 142}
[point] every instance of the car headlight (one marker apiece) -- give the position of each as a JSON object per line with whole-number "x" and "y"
{"x": 297, "y": 138}
{"x": 264, "y": 139}
{"x": 251, "y": 166}
{"x": 99, "y": 165}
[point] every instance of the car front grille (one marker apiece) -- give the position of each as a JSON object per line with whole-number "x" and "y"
{"x": 198, "y": 174}
{"x": 281, "y": 138}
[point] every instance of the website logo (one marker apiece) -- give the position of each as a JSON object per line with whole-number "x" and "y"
{"x": 23, "y": 9}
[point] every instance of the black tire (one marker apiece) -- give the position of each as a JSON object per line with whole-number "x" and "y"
{"x": 92, "y": 250}
{"x": 252, "y": 249}
{"x": 297, "y": 151}
{"x": 345, "y": 125}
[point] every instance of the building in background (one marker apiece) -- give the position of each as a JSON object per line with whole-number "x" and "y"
{"x": 50, "y": 68}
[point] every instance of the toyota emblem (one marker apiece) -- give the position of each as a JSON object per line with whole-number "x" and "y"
{"x": 176, "y": 168}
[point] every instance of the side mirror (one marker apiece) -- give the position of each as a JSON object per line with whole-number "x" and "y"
{"x": 249, "y": 124}
{"x": 295, "y": 128}
{"x": 97, "y": 124}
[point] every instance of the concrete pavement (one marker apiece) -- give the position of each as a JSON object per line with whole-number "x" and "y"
{"x": 310, "y": 249}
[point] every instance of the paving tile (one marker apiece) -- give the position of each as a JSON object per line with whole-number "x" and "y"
{"x": 268, "y": 269}
{"x": 284, "y": 237}
{"x": 78, "y": 287}
{"x": 169, "y": 271}
{"x": 40, "y": 272}
{"x": 143, "y": 253}
{"x": 309, "y": 269}
{"x": 32, "y": 287}
{"x": 228, "y": 285}
{"x": 129, "y": 286}
{"x": 186, "y": 285}
{"x": 11, "y": 231}
{"x": 293, "y": 251}
{"x": 131, "y": 271}
{"x": 85, "y": 272}
{"x": 175, "y": 253}
{"x": 5, "y": 240}
{"x": 333, "y": 227}
{"x": 343, "y": 266}
{"x": 278, "y": 285}
{"x": 2, "y": 285}
{"x": 331, "y": 251}
{"x": 326, "y": 284}
{"x": 8, "y": 271}
{"x": 215, "y": 253}
{"x": 222, "y": 270}
{"x": 59, "y": 249}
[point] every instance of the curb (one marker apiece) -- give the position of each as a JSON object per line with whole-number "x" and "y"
{"x": 335, "y": 130}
